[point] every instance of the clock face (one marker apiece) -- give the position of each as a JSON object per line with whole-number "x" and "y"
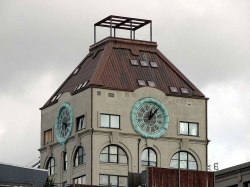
{"x": 64, "y": 123}
{"x": 149, "y": 118}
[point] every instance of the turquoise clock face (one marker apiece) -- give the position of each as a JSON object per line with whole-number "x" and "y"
{"x": 149, "y": 118}
{"x": 64, "y": 123}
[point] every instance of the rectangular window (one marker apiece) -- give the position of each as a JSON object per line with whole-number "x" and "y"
{"x": 173, "y": 89}
{"x": 188, "y": 128}
{"x": 48, "y": 138}
{"x": 154, "y": 64}
{"x": 113, "y": 180}
{"x": 134, "y": 62}
{"x": 151, "y": 83}
{"x": 80, "y": 180}
{"x": 80, "y": 123}
{"x": 144, "y": 63}
{"x": 141, "y": 82}
{"x": 65, "y": 184}
{"x": 110, "y": 121}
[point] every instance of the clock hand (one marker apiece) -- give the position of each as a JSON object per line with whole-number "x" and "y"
{"x": 150, "y": 113}
{"x": 150, "y": 117}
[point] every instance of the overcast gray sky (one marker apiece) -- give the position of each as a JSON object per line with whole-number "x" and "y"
{"x": 42, "y": 41}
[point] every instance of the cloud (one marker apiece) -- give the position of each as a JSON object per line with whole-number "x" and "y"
{"x": 228, "y": 110}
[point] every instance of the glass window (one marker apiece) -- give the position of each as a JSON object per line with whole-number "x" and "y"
{"x": 51, "y": 166}
{"x": 154, "y": 64}
{"x": 173, "y": 89}
{"x": 148, "y": 157}
{"x": 151, "y": 83}
{"x": 65, "y": 184}
{"x": 144, "y": 63}
{"x": 110, "y": 121}
{"x": 80, "y": 122}
{"x": 113, "y": 180}
{"x": 190, "y": 129}
{"x": 65, "y": 161}
{"x": 184, "y": 90}
{"x": 48, "y": 138}
{"x": 80, "y": 180}
{"x": 113, "y": 154}
{"x": 79, "y": 156}
{"x": 183, "y": 160}
{"x": 141, "y": 82}
{"x": 134, "y": 62}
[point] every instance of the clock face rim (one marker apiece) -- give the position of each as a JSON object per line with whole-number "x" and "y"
{"x": 62, "y": 139}
{"x": 134, "y": 119}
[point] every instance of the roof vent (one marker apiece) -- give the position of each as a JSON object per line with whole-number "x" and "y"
{"x": 125, "y": 23}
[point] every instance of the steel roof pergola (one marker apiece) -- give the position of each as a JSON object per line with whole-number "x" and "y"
{"x": 124, "y": 23}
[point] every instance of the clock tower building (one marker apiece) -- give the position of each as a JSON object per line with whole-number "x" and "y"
{"x": 124, "y": 108}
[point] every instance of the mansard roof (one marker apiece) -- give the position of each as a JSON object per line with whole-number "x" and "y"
{"x": 108, "y": 65}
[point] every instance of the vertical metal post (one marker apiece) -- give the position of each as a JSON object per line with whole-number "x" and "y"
{"x": 130, "y": 29}
{"x": 94, "y": 34}
{"x": 134, "y": 35}
{"x": 179, "y": 170}
{"x": 114, "y": 32}
{"x": 151, "y": 31}
{"x": 111, "y": 27}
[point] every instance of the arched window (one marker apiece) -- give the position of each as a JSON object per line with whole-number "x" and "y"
{"x": 51, "y": 164}
{"x": 65, "y": 161}
{"x": 183, "y": 160}
{"x": 113, "y": 154}
{"x": 148, "y": 157}
{"x": 79, "y": 158}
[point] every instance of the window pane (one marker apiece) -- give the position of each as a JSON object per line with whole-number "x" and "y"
{"x": 152, "y": 155}
{"x": 104, "y": 120}
{"x": 176, "y": 156}
{"x": 105, "y": 150}
{"x": 123, "y": 159}
{"x": 113, "y": 149}
{"x": 113, "y": 180}
{"x": 183, "y": 128}
{"x": 123, "y": 181}
{"x": 144, "y": 155}
{"x": 104, "y": 180}
{"x": 183, "y": 164}
{"x": 152, "y": 163}
{"x": 113, "y": 158}
{"x": 190, "y": 157}
{"x": 104, "y": 157}
{"x": 174, "y": 164}
{"x": 115, "y": 121}
{"x": 183, "y": 155}
{"x": 192, "y": 165}
{"x": 193, "y": 129}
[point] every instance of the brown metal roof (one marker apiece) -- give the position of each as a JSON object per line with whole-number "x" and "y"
{"x": 108, "y": 66}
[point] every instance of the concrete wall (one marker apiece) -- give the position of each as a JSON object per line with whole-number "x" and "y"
{"x": 179, "y": 109}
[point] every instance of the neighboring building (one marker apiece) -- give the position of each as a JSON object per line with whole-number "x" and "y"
{"x": 123, "y": 108}
{"x": 11, "y": 175}
{"x": 236, "y": 176}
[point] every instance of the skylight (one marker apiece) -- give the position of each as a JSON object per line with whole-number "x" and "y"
{"x": 85, "y": 83}
{"x": 173, "y": 89}
{"x": 141, "y": 82}
{"x": 53, "y": 99}
{"x": 144, "y": 63}
{"x": 184, "y": 90}
{"x": 134, "y": 62}
{"x": 58, "y": 96}
{"x": 151, "y": 83}
{"x": 76, "y": 70}
{"x": 154, "y": 64}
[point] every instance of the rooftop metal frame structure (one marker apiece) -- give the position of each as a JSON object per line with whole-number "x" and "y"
{"x": 125, "y": 23}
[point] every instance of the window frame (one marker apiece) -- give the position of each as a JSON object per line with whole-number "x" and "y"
{"x": 109, "y": 155}
{"x": 188, "y": 161}
{"x": 78, "y": 120}
{"x": 109, "y": 123}
{"x": 79, "y": 159}
{"x": 80, "y": 177}
{"x": 148, "y": 161}
{"x": 45, "y": 133}
{"x": 109, "y": 176}
{"x": 188, "y": 127}
{"x": 65, "y": 161}
{"x": 51, "y": 168}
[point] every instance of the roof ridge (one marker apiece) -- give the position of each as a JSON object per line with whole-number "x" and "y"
{"x": 177, "y": 71}
{"x": 101, "y": 64}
